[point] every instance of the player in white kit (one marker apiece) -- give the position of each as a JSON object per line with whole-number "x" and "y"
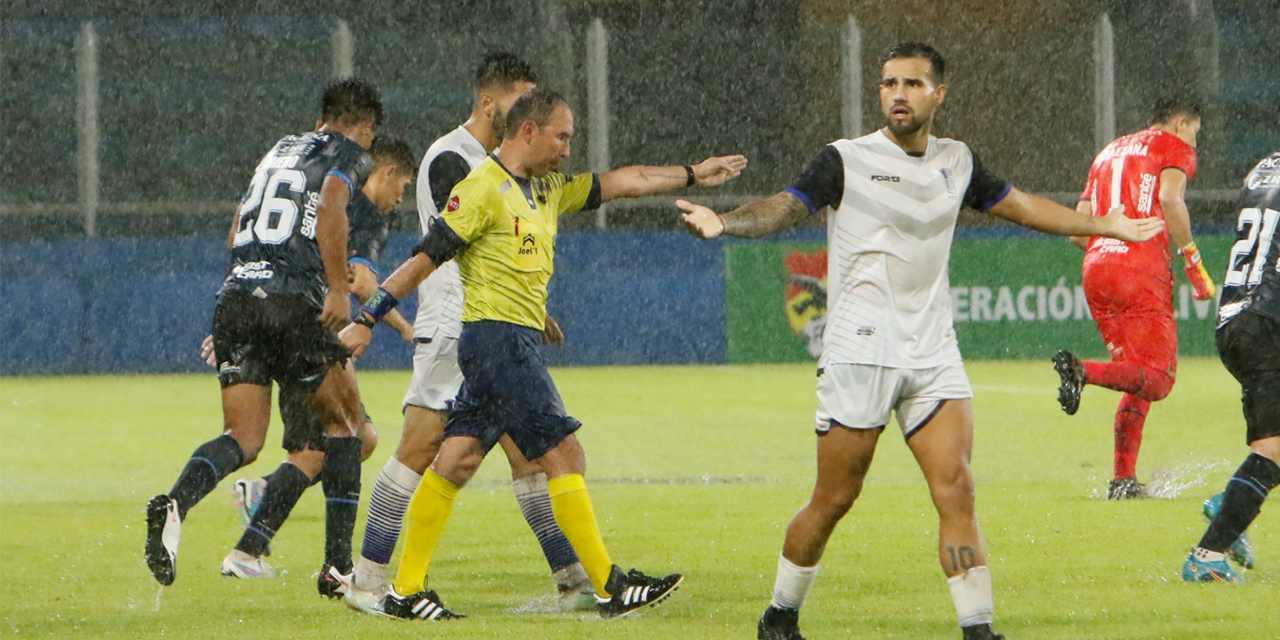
{"x": 889, "y": 345}
{"x": 500, "y": 79}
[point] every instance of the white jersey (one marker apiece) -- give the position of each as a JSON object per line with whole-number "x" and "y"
{"x": 440, "y": 295}
{"x": 889, "y": 243}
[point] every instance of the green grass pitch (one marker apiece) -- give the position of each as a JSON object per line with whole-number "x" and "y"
{"x": 692, "y": 469}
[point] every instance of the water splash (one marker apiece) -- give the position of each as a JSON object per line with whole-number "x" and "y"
{"x": 1170, "y": 482}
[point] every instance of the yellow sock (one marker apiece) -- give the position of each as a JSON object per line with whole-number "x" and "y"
{"x": 572, "y": 508}
{"x": 423, "y": 523}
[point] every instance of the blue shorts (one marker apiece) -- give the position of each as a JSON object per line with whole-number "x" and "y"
{"x": 506, "y": 389}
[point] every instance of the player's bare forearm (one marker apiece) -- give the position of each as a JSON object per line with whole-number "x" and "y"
{"x": 363, "y": 281}
{"x": 331, "y": 232}
{"x": 1173, "y": 188}
{"x": 1084, "y": 208}
{"x": 409, "y": 275}
{"x": 1044, "y": 215}
{"x": 398, "y": 322}
{"x": 763, "y": 217}
{"x": 235, "y": 225}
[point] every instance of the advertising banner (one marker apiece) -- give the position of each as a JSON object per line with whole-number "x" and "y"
{"x": 1012, "y": 298}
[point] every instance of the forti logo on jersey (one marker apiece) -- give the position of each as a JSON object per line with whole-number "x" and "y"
{"x": 454, "y": 203}
{"x": 885, "y": 179}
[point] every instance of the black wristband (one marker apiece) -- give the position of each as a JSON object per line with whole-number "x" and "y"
{"x": 365, "y": 319}
{"x": 693, "y": 179}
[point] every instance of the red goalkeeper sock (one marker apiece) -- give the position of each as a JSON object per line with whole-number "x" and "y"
{"x": 1130, "y": 377}
{"x": 1130, "y": 417}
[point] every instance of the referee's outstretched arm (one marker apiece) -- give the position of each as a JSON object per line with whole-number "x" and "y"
{"x": 638, "y": 181}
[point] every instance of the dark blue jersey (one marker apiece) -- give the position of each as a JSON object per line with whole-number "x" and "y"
{"x": 1253, "y": 270}
{"x": 275, "y": 250}
{"x": 368, "y": 231}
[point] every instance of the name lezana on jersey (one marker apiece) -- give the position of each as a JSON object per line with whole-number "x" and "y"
{"x": 1131, "y": 149}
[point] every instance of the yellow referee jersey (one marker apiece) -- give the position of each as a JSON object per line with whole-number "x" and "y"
{"x": 508, "y": 225}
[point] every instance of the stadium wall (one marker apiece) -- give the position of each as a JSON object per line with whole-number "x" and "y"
{"x": 143, "y": 306}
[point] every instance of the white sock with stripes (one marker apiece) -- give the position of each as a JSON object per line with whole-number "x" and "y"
{"x": 391, "y": 494}
{"x": 792, "y": 584}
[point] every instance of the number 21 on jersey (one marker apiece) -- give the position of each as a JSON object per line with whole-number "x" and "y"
{"x": 1249, "y": 254}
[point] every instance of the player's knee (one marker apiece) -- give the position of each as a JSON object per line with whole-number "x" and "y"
{"x": 459, "y": 465}
{"x": 1158, "y": 387}
{"x": 368, "y": 440}
{"x": 832, "y": 506}
{"x": 309, "y": 461}
{"x": 953, "y": 492}
{"x": 250, "y": 446}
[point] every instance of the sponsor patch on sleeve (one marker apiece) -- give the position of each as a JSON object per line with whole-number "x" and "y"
{"x": 454, "y": 203}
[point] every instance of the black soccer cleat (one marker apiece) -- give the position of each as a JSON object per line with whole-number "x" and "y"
{"x": 980, "y": 632}
{"x": 332, "y": 583}
{"x": 1071, "y": 371}
{"x": 632, "y": 591}
{"x": 164, "y": 527}
{"x": 779, "y": 624}
{"x": 424, "y": 605}
{"x": 1124, "y": 488}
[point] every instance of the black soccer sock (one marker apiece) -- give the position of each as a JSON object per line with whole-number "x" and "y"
{"x": 341, "y": 482}
{"x": 1241, "y": 502}
{"x": 284, "y": 488}
{"x": 209, "y": 464}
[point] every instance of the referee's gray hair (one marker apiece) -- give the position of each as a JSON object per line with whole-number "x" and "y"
{"x": 536, "y": 106}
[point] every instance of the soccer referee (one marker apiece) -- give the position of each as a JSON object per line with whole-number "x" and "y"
{"x": 500, "y": 223}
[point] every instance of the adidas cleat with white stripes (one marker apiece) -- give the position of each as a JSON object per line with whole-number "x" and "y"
{"x": 632, "y": 591}
{"x": 164, "y": 528}
{"x": 424, "y": 605}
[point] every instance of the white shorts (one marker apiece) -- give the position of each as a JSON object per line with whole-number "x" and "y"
{"x": 436, "y": 376}
{"x": 860, "y": 396}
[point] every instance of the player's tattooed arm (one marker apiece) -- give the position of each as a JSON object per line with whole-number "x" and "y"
{"x": 754, "y": 220}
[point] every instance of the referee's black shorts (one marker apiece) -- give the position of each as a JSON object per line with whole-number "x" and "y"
{"x": 506, "y": 389}
{"x": 1249, "y": 345}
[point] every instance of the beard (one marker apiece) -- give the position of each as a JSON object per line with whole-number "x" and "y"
{"x": 906, "y": 128}
{"x": 500, "y": 124}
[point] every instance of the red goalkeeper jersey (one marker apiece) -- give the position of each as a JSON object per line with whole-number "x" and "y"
{"x": 1127, "y": 172}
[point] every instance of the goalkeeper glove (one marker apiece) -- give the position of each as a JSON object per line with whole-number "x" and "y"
{"x": 1200, "y": 280}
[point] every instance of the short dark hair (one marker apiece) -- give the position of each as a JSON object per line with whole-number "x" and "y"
{"x": 537, "y": 106}
{"x": 351, "y": 101}
{"x": 918, "y": 50}
{"x": 503, "y": 69}
{"x": 387, "y": 150}
{"x": 1167, "y": 107}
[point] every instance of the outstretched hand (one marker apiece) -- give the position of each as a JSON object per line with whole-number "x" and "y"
{"x": 714, "y": 172}
{"x": 1118, "y": 225}
{"x": 700, "y": 221}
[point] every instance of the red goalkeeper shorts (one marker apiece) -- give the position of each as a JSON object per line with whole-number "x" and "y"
{"x": 1134, "y": 312}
